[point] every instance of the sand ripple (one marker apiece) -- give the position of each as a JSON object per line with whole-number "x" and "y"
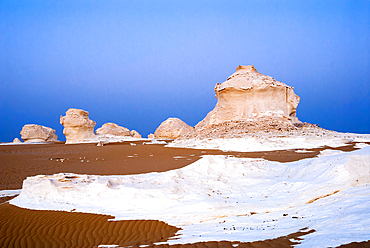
{"x": 30, "y": 228}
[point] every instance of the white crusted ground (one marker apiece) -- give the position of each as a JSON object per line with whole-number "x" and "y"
{"x": 268, "y": 142}
{"x": 5, "y": 193}
{"x": 227, "y": 198}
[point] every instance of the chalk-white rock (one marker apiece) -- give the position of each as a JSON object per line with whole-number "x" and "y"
{"x": 77, "y": 126}
{"x": 38, "y": 133}
{"x": 247, "y": 94}
{"x": 172, "y": 128}
{"x": 113, "y": 129}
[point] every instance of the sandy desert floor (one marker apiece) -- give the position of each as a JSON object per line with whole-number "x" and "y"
{"x": 38, "y": 228}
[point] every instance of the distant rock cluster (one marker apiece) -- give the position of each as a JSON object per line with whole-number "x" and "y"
{"x": 248, "y": 103}
{"x": 78, "y": 128}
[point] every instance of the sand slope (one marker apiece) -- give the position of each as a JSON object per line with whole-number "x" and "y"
{"x": 30, "y": 228}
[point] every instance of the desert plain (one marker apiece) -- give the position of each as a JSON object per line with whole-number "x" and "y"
{"x": 22, "y": 227}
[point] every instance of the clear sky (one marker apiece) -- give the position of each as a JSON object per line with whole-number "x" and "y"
{"x": 137, "y": 63}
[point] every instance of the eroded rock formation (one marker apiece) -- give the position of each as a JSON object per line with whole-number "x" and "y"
{"x": 135, "y": 134}
{"x": 113, "y": 129}
{"x": 172, "y": 128}
{"x": 116, "y": 130}
{"x": 38, "y": 133}
{"x": 249, "y": 94}
{"x": 16, "y": 141}
{"x": 77, "y": 126}
{"x": 151, "y": 136}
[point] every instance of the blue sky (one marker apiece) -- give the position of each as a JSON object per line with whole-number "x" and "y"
{"x": 136, "y": 63}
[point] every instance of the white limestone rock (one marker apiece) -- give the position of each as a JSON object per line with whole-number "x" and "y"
{"x": 116, "y": 130}
{"x": 172, "y": 128}
{"x": 16, "y": 141}
{"x": 135, "y": 134}
{"x": 78, "y": 127}
{"x": 248, "y": 94}
{"x": 151, "y": 136}
{"x": 37, "y": 133}
{"x": 113, "y": 129}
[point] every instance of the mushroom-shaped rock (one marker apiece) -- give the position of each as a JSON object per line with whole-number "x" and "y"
{"x": 38, "y": 133}
{"x": 77, "y": 126}
{"x": 172, "y": 128}
{"x": 113, "y": 129}
{"x": 247, "y": 94}
{"x": 135, "y": 134}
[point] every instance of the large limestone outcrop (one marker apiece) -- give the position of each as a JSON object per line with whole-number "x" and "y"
{"x": 172, "y": 128}
{"x": 113, "y": 129}
{"x": 247, "y": 94}
{"x": 77, "y": 126}
{"x": 38, "y": 133}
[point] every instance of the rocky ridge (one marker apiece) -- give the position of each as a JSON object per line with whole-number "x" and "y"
{"x": 257, "y": 126}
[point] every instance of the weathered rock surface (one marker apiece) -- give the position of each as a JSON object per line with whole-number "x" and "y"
{"x": 135, "y": 134}
{"x": 151, "y": 136}
{"x": 116, "y": 130}
{"x": 253, "y": 127}
{"x": 38, "y": 133}
{"x": 77, "y": 126}
{"x": 113, "y": 129}
{"x": 249, "y": 94}
{"x": 172, "y": 128}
